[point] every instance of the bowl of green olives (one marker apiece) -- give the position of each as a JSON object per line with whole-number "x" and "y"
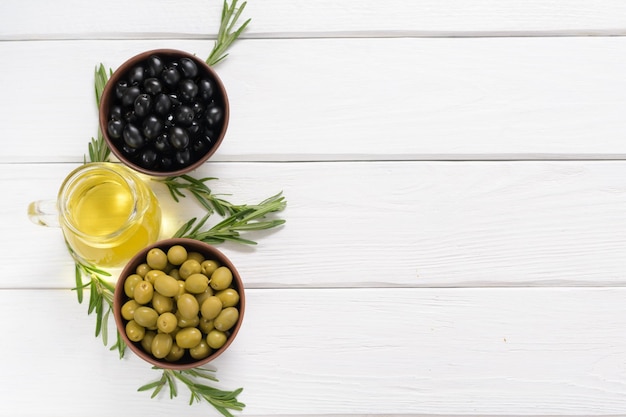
{"x": 179, "y": 303}
{"x": 164, "y": 112}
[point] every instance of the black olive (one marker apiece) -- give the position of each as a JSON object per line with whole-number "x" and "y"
{"x": 120, "y": 89}
{"x": 170, "y": 76}
{"x": 166, "y": 163}
{"x": 194, "y": 128}
{"x": 129, "y": 151}
{"x": 152, "y": 86}
{"x": 175, "y": 100}
{"x": 198, "y": 109}
{"x": 116, "y": 113}
{"x": 136, "y": 75}
{"x": 183, "y": 157}
{"x": 209, "y": 135}
{"x": 130, "y": 116}
{"x": 143, "y": 105}
{"x": 132, "y": 136}
{"x": 162, "y": 144}
{"x": 200, "y": 146}
{"x": 162, "y": 104}
{"x": 188, "y": 67}
{"x": 178, "y": 137}
{"x": 129, "y": 96}
{"x": 184, "y": 115}
{"x": 115, "y": 128}
{"x": 187, "y": 90}
{"x": 205, "y": 89}
{"x": 155, "y": 66}
{"x": 148, "y": 158}
{"x": 152, "y": 127}
{"x": 214, "y": 115}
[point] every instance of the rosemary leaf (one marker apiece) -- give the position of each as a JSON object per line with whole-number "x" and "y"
{"x": 225, "y": 34}
{"x": 98, "y": 149}
{"x": 105, "y": 328}
{"x": 149, "y": 386}
{"x": 79, "y": 283}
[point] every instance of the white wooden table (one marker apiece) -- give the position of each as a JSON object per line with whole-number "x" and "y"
{"x": 456, "y": 225}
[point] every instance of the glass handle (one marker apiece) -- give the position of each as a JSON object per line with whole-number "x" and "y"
{"x": 44, "y": 213}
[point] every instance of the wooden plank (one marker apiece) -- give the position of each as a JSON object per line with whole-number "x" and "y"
{"x": 412, "y": 224}
{"x": 522, "y": 98}
{"x": 346, "y": 351}
{"x": 36, "y": 19}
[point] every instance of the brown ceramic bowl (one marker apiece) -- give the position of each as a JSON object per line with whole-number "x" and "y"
{"x": 210, "y": 253}
{"x": 180, "y": 122}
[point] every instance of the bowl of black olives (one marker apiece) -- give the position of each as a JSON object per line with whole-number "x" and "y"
{"x": 179, "y": 303}
{"x": 164, "y": 112}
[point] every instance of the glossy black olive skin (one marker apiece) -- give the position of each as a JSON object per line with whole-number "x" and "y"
{"x": 116, "y": 128}
{"x": 188, "y": 68}
{"x": 132, "y": 136}
{"x": 179, "y": 138}
{"x": 152, "y": 86}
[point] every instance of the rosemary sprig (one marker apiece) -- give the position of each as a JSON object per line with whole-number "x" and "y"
{"x": 202, "y": 193}
{"x": 223, "y": 401}
{"x": 100, "y": 297}
{"x": 245, "y": 219}
{"x": 98, "y": 149}
{"x": 225, "y": 34}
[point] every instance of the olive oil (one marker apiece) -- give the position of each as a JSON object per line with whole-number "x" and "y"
{"x": 102, "y": 207}
{"x": 108, "y": 214}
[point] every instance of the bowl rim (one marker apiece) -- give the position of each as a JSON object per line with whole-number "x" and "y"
{"x": 119, "y": 298}
{"x": 105, "y": 100}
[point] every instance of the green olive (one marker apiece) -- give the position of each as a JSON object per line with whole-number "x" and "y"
{"x": 196, "y": 283}
{"x": 188, "y": 337}
{"x": 166, "y": 285}
{"x": 204, "y": 295}
{"x": 130, "y": 282}
{"x": 209, "y": 266}
{"x": 177, "y": 254}
{"x": 161, "y": 345}
{"x": 134, "y": 331}
{"x": 205, "y": 325}
{"x": 211, "y": 307}
{"x": 221, "y": 278}
{"x": 188, "y": 307}
{"x": 181, "y": 289}
{"x": 201, "y": 351}
{"x": 176, "y": 353}
{"x": 167, "y": 322}
{"x": 183, "y": 322}
{"x": 197, "y": 256}
{"x": 226, "y": 319}
{"x": 189, "y": 267}
{"x": 152, "y": 275}
{"x": 229, "y": 297}
{"x": 146, "y": 317}
{"x": 146, "y": 342}
{"x": 128, "y": 309}
{"x": 174, "y": 273}
{"x": 142, "y": 269}
{"x": 156, "y": 259}
{"x": 143, "y": 292}
{"x": 216, "y": 339}
{"x": 162, "y": 303}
